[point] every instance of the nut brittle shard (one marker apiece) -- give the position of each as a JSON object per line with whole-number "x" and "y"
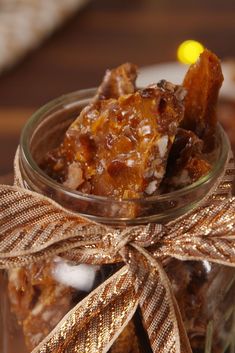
{"x": 118, "y": 82}
{"x": 186, "y": 163}
{"x": 202, "y": 82}
{"x": 119, "y": 147}
{"x": 38, "y": 300}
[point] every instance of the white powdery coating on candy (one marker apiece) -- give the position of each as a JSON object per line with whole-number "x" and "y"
{"x": 162, "y": 145}
{"x": 80, "y": 277}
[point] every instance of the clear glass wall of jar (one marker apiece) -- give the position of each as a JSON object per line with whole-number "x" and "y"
{"x": 34, "y": 299}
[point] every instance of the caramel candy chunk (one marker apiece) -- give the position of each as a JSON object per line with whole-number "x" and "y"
{"x": 118, "y": 82}
{"x": 53, "y": 305}
{"x": 119, "y": 147}
{"x": 202, "y": 82}
{"x": 186, "y": 162}
{"x": 186, "y": 145}
{"x": 38, "y": 300}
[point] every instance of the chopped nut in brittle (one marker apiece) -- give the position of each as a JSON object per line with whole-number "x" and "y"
{"x": 119, "y": 147}
{"x": 202, "y": 82}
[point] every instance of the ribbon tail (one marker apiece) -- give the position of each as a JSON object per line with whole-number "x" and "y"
{"x": 160, "y": 313}
{"x": 93, "y": 325}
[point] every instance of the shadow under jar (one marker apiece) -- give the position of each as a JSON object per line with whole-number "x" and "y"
{"x": 34, "y": 299}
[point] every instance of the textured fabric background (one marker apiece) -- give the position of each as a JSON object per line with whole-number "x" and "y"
{"x": 25, "y": 23}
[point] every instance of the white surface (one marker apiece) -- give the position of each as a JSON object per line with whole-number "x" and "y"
{"x": 174, "y": 72}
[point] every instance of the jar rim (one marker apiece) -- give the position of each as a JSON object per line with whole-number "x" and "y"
{"x": 35, "y": 119}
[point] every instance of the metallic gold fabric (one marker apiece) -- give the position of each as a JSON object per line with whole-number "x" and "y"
{"x": 33, "y": 227}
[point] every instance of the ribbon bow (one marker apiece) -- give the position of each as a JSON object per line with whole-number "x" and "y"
{"x": 33, "y": 228}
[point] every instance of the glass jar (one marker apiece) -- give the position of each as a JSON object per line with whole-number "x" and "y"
{"x": 34, "y": 299}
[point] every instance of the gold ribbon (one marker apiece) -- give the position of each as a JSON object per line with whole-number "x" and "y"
{"x": 33, "y": 227}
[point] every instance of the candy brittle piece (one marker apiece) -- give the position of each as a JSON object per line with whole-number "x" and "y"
{"x": 119, "y": 147}
{"x": 118, "y": 82}
{"x": 186, "y": 145}
{"x": 202, "y": 82}
{"x": 186, "y": 163}
{"x": 38, "y": 300}
{"x": 53, "y": 305}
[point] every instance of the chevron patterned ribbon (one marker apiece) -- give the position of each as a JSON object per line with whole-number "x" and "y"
{"x": 33, "y": 227}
